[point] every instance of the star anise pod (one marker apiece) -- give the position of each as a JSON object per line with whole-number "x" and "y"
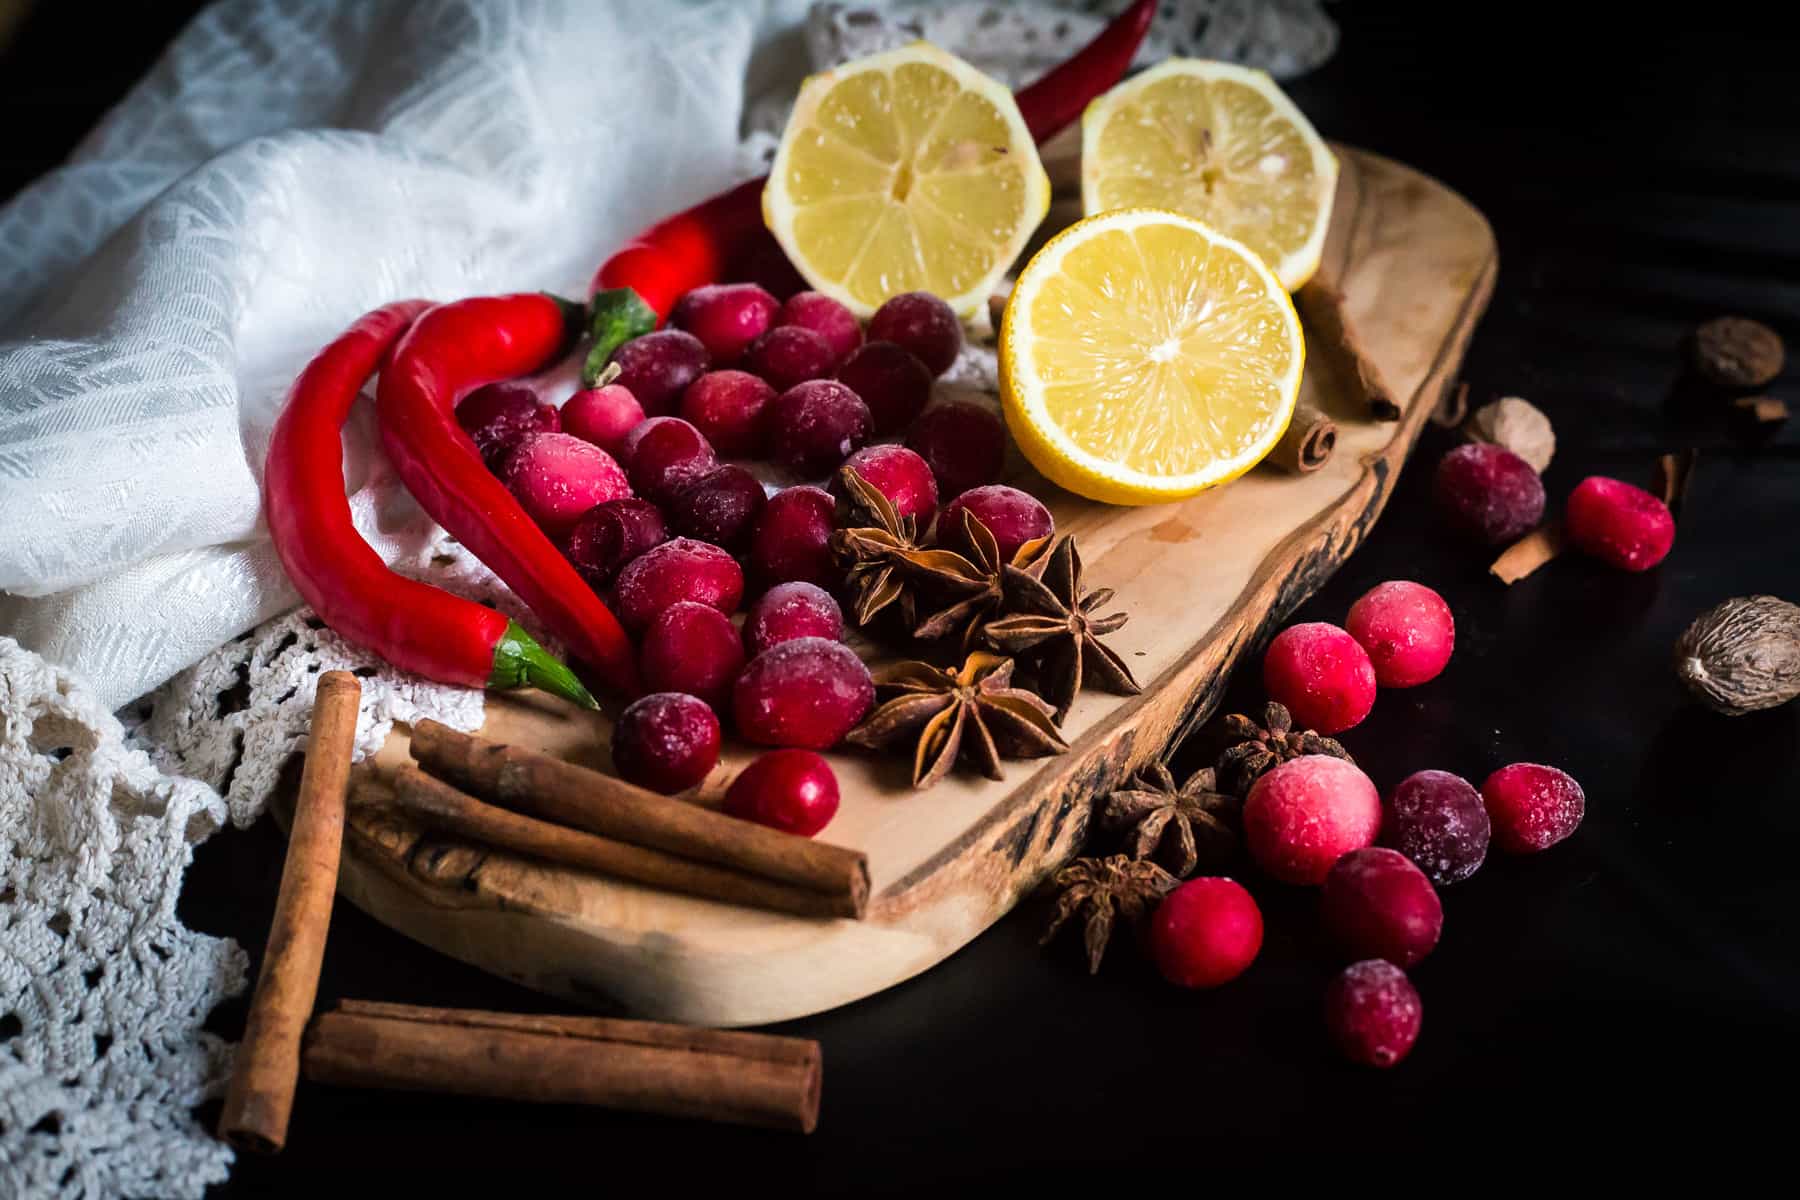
{"x": 1103, "y": 889}
{"x": 1048, "y": 614}
{"x": 1261, "y": 747}
{"x": 1178, "y": 827}
{"x": 976, "y": 586}
{"x": 871, "y": 547}
{"x": 973, "y": 711}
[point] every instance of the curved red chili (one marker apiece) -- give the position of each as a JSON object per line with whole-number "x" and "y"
{"x": 413, "y": 625}
{"x": 1056, "y": 100}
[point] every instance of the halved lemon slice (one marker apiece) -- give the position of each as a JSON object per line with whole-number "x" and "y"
{"x": 1220, "y": 143}
{"x": 1145, "y": 357}
{"x": 905, "y": 171}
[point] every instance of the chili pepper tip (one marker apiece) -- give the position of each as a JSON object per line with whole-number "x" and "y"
{"x": 520, "y": 662}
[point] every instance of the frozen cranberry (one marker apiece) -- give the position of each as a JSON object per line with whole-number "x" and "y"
{"x": 964, "y": 444}
{"x": 1488, "y": 493}
{"x": 677, "y": 570}
{"x": 826, "y": 317}
{"x": 726, "y": 317}
{"x": 1321, "y": 674}
{"x": 666, "y": 741}
{"x": 558, "y": 477}
{"x": 720, "y": 507}
{"x": 603, "y": 416}
{"x": 1532, "y": 807}
{"x": 500, "y": 416}
{"x": 1438, "y": 820}
{"x": 1379, "y": 905}
{"x": 1204, "y": 933}
{"x": 808, "y": 692}
{"x": 794, "y": 791}
{"x": 1618, "y": 523}
{"x": 814, "y": 426}
{"x": 923, "y": 324}
{"x": 787, "y": 355}
{"x": 611, "y": 534}
{"x": 791, "y": 610}
{"x": 1012, "y": 516}
{"x": 1373, "y": 1013}
{"x": 896, "y": 473}
{"x": 1407, "y": 630}
{"x": 792, "y": 538}
{"x": 726, "y": 407}
{"x": 664, "y": 456}
{"x": 692, "y": 648}
{"x": 657, "y": 367}
{"x": 1306, "y": 814}
{"x": 893, "y": 383}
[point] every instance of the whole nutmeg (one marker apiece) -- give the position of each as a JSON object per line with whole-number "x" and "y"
{"x": 1517, "y": 425}
{"x": 1742, "y": 655}
{"x": 1736, "y": 352}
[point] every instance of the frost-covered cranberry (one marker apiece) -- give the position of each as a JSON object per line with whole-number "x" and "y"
{"x": 1012, "y": 516}
{"x": 1206, "y": 932}
{"x": 1407, "y": 630}
{"x": 1488, "y": 493}
{"x": 726, "y": 317}
{"x": 824, "y": 316}
{"x": 1618, "y": 523}
{"x": 787, "y": 355}
{"x": 1373, "y": 1013}
{"x": 611, "y": 534}
{"x": 792, "y": 538}
{"x": 664, "y": 455}
{"x": 794, "y": 791}
{"x": 893, "y": 383}
{"x": 499, "y": 416}
{"x": 720, "y": 507}
{"x": 923, "y": 324}
{"x": 964, "y": 444}
{"x": 791, "y": 610}
{"x": 1321, "y": 674}
{"x": 666, "y": 741}
{"x": 1532, "y": 807}
{"x": 896, "y": 473}
{"x": 1379, "y": 905}
{"x": 808, "y": 692}
{"x": 657, "y": 367}
{"x": 726, "y": 407}
{"x": 814, "y": 426}
{"x": 677, "y": 570}
{"x": 1307, "y": 813}
{"x": 557, "y": 477}
{"x": 603, "y": 416}
{"x": 1438, "y": 820}
{"x": 692, "y": 648}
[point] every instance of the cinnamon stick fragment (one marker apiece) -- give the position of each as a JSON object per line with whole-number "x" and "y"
{"x": 1307, "y": 445}
{"x": 637, "y": 1066}
{"x": 261, "y": 1095}
{"x": 1763, "y": 410}
{"x": 439, "y": 805}
{"x": 1669, "y": 481}
{"x": 1334, "y": 338}
{"x": 1529, "y": 553}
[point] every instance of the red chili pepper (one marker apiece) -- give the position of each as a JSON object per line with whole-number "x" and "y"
{"x": 413, "y": 625}
{"x": 451, "y": 350}
{"x": 1057, "y": 99}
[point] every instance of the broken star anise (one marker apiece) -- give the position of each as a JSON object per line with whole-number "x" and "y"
{"x": 1102, "y": 890}
{"x": 1178, "y": 827}
{"x": 975, "y": 586}
{"x": 973, "y": 711}
{"x": 872, "y": 547}
{"x": 1259, "y": 748}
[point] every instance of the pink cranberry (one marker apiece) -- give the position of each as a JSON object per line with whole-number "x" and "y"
{"x": 1438, "y": 820}
{"x": 794, "y": 791}
{"x": 692, "y": 648}
{"x": 1373, "y": 1013}
{"x": 720, "y": 507}
{"x": 726, "y": 407}
{"x": 893, "y": 383}
{"x": 726, "y": 317}
{"x": 603, "y": 416}
{"x": 1378, "y": 905}
{"x": 611, "y": 534}
{"x": 500, "y": 416}
{"x": 1407, "y": 630}
{"x": 896, "y": 473}
{"x": 558, "y": 477}
{"x": 1532, "y": 807}
{"x": 666, "y": 741}
{"x": 657, "y": 367}
{"x": 923, "y": 324}
{"x": 791, "y": 610}
{"x": 792, "y": 538}
{"x": 827, "y": 318}
{"x": 1307, "y": 813}
{"x": 1012, "y": 516}
{"x": 677, "y": 570}
{"x": 814, "y": 426}
{"x": 1618, "y": 523}
{"x": 964, "y": 444}
{"x": 787, "y": 355}
{"x": 808, "y": 692}
{"x": 1488, "y": 493}
{"x": 1321, "y": 674}
{"x": 1206, "y": 932}
{"x": 664, "y": 456}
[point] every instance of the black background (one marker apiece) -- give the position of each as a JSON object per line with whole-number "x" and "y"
{"x": 1630, "y": 993}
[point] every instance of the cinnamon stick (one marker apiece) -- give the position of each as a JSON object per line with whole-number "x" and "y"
{"x": 1670, "y": 477}
{"x": 566, "y": 794}
{"x": 1307, "y": 445}
{"x": 638, "y": 1066}
{"x": 441, "y": 806}
{"x": 261, "y": 1095}
{"x": 1528, "y": 553}
{"x": 1334, "y": 338}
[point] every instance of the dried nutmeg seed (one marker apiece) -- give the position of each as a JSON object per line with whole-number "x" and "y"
{"x": 1516, "y": 425}
{"x": 1736, "y": 352}
{"x": 1742, "y": 655}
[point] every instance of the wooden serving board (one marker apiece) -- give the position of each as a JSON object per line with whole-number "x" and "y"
{"x": 1202, "y": 581}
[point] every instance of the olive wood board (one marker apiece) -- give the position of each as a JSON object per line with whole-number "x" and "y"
{"x": 1204, "y": 580}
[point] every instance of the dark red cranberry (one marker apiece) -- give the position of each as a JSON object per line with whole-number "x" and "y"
{"x": 610, "y": 535}
{"x": 791, "y": 610}
{"x": 814, "y": 426}
{"x": 720, "y": 507}
{"x": 894, "y": 384}
{"x": 666, "y": 741}
{"x": 787, "y": 355}
{"x": 792, "y": 538}
{"x": 657, "y": 367}
{"x": 726, "y": 317}
{"x": 692, "y": 648}
{"x": 794, "y": 791}
{"x": 923, "y": 324}
{"x": 663, "y": 456}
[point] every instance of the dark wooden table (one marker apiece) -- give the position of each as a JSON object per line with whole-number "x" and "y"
{"x": 1623, "y": 992}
